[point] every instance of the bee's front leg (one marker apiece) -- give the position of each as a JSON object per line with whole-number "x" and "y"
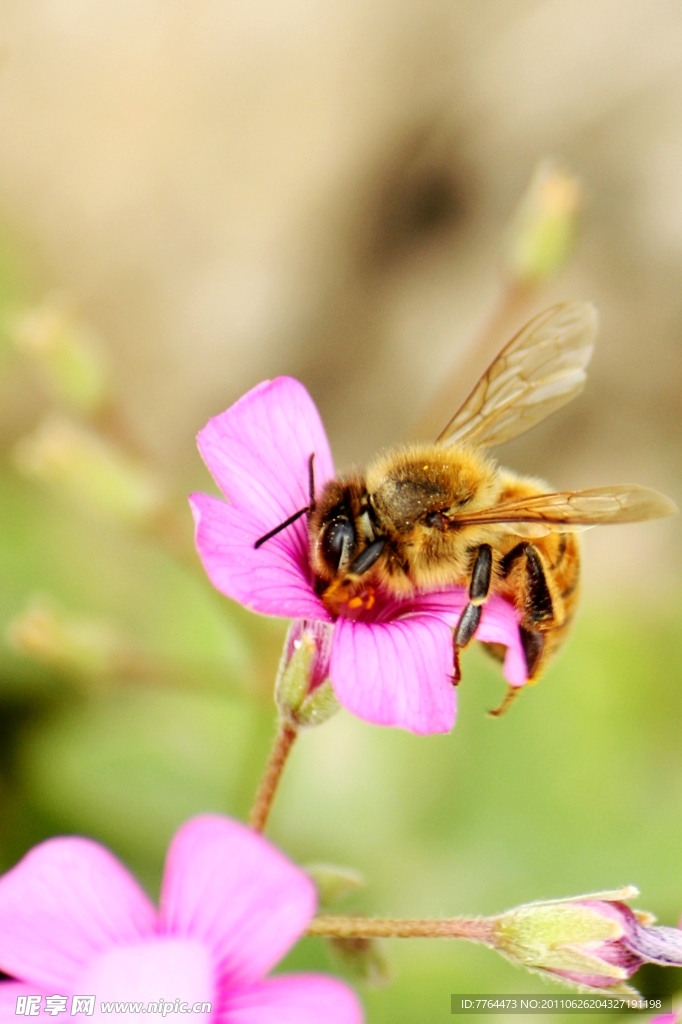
{"x": 479, "y": 586}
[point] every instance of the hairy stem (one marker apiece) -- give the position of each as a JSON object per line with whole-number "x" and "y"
{"x": 267, "y": 787}
{"x": 476, "y": 929}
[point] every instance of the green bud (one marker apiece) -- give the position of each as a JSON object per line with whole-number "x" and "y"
{"x": 362, "y": 959}
{"x": 334, "y": 883}
{"x": 303, "y": 694}
{"x": 544, "y": 226}
{"x": 69, "y": 356}
{"x": 86, "y": 467}
{"x": 318, "y": 706}
{"x": 585, "y": 939}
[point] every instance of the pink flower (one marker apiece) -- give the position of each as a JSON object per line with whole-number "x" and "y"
{"x": 392, "y": 666}
{"x": 73, "y": 921}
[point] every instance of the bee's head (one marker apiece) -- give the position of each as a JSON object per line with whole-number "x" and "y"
{"x": 343, "y": 541}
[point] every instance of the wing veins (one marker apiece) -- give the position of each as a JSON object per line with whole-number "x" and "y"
{"x": 538, "y": 371}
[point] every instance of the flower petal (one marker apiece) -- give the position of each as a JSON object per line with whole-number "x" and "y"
{"x": 10, "y": 991}
{"x": 272, "y": 580}
{"x": 258, "y": 450}
{"x": 396, "y": 673}
{"x": 66, "y": 901}
{"x": 293, "y": 999}
{"x": 161, "y": 970}
{"x": 499, "y": 625}
{"x": 230, "y": 888}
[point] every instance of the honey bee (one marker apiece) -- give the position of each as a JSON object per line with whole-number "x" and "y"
{"x": 424, "y": 517}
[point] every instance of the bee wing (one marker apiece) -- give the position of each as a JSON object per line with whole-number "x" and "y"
{"x": 569, "y": 511}
{"x": 537, "y": 372}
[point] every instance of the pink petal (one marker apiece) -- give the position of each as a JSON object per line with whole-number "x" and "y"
{"x": 396, "y": 673}
{"x": 258, "y": 451}
{"x": 499, "y": 625}
{"x": 163, "y": 969}
{"x": 66, "y": 901}
{"x": 272, "y": 580}
{"x": 230, "y": 888}
{"x": 10, "y": 990}
{"x": 293, "y": 999}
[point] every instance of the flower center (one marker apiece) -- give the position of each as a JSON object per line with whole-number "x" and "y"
{"x": 176, "y": 972}
{"x": 352, "y": 600}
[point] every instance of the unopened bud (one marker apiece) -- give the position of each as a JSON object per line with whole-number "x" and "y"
{"x": 90, "y": 469}
{"x": 69, "y": 356}
{"x": 303, "y": 692}
{"x": 46, "y": 633}
{"x": 595, "y": 941}
{"x": 544, "y": 226}
{"x": 362, "y": 959}
{"x": 334, "y": 883}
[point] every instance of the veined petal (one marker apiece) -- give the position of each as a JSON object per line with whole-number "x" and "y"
{"x": 396, "y": 673}
{"x": 293, "y": 999}
{"x": 67, "y": 901}
{"x": 163, "y": 969}
{"x": 231, "y": 889}
{"x": 258, "y": 450}
{"x": 272, "y": 580}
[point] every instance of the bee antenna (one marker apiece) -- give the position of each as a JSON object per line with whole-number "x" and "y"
{"x": 309, "y": 508}
{"x": 282, "y": 526}
{"x": 311, "y": 482}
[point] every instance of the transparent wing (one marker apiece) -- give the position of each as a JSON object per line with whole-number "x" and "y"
{"x": 569, "y": 511}
{"x": 541, "y": 369}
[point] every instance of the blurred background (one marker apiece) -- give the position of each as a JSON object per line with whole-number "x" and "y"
{"x": 197, "y": 196}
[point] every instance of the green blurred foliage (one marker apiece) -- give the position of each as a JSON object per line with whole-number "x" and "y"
{"x": 49, "y": 547}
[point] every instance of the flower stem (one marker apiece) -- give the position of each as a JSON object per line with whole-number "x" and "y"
{"x": 267, "y": 787}
{"x": 476, "y": 929}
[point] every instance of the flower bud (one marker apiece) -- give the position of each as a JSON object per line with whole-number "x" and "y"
{"x": 89, "y": 469}
{"x": 303, "y": 692}
{"x": 333, "y": 883}
{"x": 594, "y": 941}
{"x": 69, "y": 356}
{"x": 544, "y": 227}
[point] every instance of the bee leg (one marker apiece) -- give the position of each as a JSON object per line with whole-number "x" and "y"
{"x": 538, "y": 606}
{"x": 508, "y": 699}
{"x": 470, "y": 618}
{"x": 533, "y": 643}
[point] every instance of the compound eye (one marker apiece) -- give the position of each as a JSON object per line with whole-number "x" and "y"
{"x": 338, "y": 540}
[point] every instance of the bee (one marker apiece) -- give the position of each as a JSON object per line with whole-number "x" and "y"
{"x": 424, "y": 517}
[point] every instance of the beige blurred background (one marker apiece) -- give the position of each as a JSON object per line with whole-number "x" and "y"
{"x": 228, "y": 191}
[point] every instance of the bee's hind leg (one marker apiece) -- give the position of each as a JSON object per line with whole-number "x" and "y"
{"x": 508, "y": 699}
{"x": 470, "y": 618}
